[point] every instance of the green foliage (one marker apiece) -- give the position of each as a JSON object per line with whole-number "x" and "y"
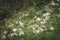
{"x": 29, "y": 20}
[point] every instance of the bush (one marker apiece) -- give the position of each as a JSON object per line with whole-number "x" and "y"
{"x": 29, "y": 20}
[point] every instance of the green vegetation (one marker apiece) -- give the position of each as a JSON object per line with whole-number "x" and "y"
{"x": 29, "y": 19}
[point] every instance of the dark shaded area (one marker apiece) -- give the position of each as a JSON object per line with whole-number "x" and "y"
{"x": 5, "y": 14}
{"x": 7, "y": 8}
